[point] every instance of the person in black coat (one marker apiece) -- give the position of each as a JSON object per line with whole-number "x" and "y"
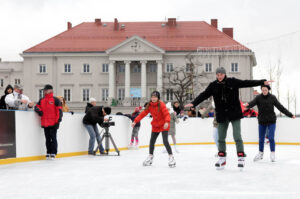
{"x": 95, "y": 115}
{"x": 267, "y": 119}
{"x": 8, "y": 90}
{"x": 225, "y": 92}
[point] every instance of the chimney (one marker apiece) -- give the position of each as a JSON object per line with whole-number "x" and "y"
{"x": 98, "y": 21}
{"x": 69, "y": 25}
{"x": 214, "y": 23}
{"x": 116, "y": 24}
{"x": 171, "y": 22}
{"x": 228, "y": 31}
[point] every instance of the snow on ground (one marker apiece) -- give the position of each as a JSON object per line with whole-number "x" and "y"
{"x": 124, "y": 176}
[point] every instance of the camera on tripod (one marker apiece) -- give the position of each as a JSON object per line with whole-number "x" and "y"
{"x": 109, "y": 123}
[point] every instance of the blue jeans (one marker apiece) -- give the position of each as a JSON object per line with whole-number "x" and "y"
{"x": 262, "y": 134}
{"x": 94, "y": 133}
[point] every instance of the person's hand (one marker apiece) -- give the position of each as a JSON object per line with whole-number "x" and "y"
{"x": 31, "y": 104}
{"x": 268, "y": 82}
{"x": 188, "y": 105}
{"x": 106, "y": 119}
{"x": 249, "y": 116}
{"x": 166, "y": 125}
{"x": 72, "y": 113}
{"x": 24, "y": 101}
{"x": 133, "y": 124}
{"x": 294, "y": 117}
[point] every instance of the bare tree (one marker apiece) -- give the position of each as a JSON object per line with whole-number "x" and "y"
{"x": 295, "y": 102}
{"x": 182, "y": 80}
{"x": 289, "y": 98}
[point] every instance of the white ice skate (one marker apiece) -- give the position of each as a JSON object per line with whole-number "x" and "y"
{"x": 175, "y": 149}
{"x": 148, "y": 161}
{"x": 136, "y": 146}
{"x": 272, "y": 156}
{"x": 172, "y": 162}
{"x": 241, "y": 163}
{"x": 259, "y": 156}
{"x": 48, "y": 157}
{"x": 52, "y": 156}
{"x": 220, "y": 165}
{"x": 130, "y": 146}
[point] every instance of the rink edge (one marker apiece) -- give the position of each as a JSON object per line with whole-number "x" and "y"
{"x": 64, "y": 155}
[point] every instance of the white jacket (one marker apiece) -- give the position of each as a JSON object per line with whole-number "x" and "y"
{"x": 13, "y": 101}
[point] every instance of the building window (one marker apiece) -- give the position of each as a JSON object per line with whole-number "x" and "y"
{"x": 208, "y": 67}
{"x": 169, "y": 68}
{"x": 1, "y": 83}
{"x": 86, "y": 94}
{"x": 121, "y": 94}
{"x": 189, "y": 94}
{"x": 122, "y": 68}
{"x": 67, "y": 68}
{"x": 67, "y": 95}
{"x": 104, "y": 94}
{"x": 152, "y": 68}
{"x": 17, "y": 81}
{"x": 105, "y": 68}
{"x": 41, "y": 93}
{"x": 234, "y": 67}
{"x": 137, "y": 68}
{"x": 86, "y": 68}
{"x": 188, "y": 68}
{"x": 169, "y": 95}
{"x": 42, "y": 68}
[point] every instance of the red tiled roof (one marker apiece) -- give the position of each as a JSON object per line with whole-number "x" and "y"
{"x": 91, "y": 37}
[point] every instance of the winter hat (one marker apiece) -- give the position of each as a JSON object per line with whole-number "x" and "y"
{"x": 137, "y": 109}
{"x": 107, "y": 110}
{"x": 48, "y": 87}
{"x": 18, "y": 86}
{"x": 221, "y": 70}
{"x": 156, "y": 94}
{"x": 92, "y": 100}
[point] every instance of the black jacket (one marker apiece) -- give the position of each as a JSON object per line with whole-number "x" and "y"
{"x": 132, "y": 117}
{"x": 94, "y": 116}
{"x": 226, "y": 97}
{"x": 177, "y": 110}
{"x": 265, "y": 104}
{"x": 88, "y": 106}
{"x": 2, "y": 101}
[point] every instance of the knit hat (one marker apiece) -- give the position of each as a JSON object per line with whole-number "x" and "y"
{"x": 92, "y": 100}
{"x": 48, "y": 87}
{"x": 156, "y": 94}
{"x": 18, "y": 86}
{"x": 107, "y": 110}
{"x": 221, "y": 70}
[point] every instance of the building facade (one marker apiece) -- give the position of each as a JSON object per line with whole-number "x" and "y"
{"x": 120, "y": 64}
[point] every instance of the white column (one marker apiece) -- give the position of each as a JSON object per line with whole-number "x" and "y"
{"x": 112, "y": 80}
{"x": 159, "y": 76}
{"x": 144, "y": 79}
{"x": 127, "y": 79}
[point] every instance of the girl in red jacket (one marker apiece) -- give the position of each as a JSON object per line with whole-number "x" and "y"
{"x": 160, "y": 123}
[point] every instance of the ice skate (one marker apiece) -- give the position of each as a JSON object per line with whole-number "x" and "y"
{"x": 172, "y": 162}
{"x": 272, "y": 156}
{"x": 130, "y": 146}
{"x": 241, "y": 160}
{"x": 148, "y": 161}
{"x": 52, "y": 156}
{"x": 48, "y": 157}
{"x": 259, "y": 156}
{"x": 136, "y": 146}
{"x": 175, "y": 148}
{"x": 220, "y": 165}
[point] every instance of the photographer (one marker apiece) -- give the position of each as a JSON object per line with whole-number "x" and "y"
{"x": 93, "y": 116}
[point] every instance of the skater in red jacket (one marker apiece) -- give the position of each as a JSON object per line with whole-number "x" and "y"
{"x": 160, "y": 123}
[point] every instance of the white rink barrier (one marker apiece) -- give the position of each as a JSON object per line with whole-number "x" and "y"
{"x": 73, "y": 137}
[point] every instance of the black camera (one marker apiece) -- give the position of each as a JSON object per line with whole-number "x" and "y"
{"x": 109, "y": 123}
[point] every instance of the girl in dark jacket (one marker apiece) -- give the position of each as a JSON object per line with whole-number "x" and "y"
{"x": 267, "y": 119}
{"x": 9, "y": 89}
{"x": 136, "y": 129}
{"x": 160, "y": 123}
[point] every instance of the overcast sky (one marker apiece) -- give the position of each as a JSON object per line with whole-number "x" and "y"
{"x": 271, "y": 28}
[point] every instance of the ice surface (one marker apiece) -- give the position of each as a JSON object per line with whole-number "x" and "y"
{"x": 124, "y": 177}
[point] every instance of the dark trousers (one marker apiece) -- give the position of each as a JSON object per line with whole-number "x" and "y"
{"x": 154, "y": 136}
{"x": 51, "y": 142}
{"x": 262, "y": 134}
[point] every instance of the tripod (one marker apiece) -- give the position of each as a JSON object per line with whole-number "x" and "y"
{"x": 107, "y": 137}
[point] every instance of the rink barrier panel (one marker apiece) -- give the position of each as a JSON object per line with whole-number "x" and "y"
{"x": 73, "y": 137}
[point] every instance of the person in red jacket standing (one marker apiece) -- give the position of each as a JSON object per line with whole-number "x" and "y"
{"x": 49, "y": 109}
{"x": 160, "y": 123}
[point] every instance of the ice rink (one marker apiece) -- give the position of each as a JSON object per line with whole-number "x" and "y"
{"x": 124, "y": 177}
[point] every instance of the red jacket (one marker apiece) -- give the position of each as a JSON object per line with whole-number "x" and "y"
{"x": 49, "y": 108}
{"x": 159, "y": 117}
